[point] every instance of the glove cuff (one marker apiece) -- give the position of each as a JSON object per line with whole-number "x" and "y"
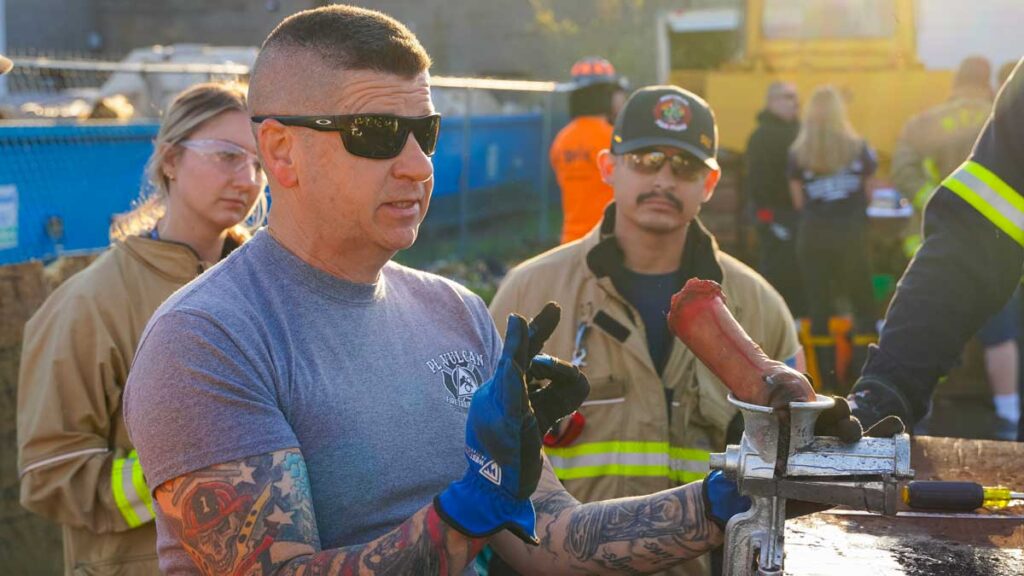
{"x": 479, "y": 509}
{"x": 875, "y": 397}
{"x": 722, "y": 499}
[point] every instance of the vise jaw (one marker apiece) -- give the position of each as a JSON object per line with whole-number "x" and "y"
{"x": 771, "y": 468}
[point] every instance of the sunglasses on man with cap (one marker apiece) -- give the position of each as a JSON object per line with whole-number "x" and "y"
{"x": 685, "y": 166}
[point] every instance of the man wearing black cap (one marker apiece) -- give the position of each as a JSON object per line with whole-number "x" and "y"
{"x": 654, "y": 411}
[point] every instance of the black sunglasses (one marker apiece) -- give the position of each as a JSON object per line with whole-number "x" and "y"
{"x": 377, "y": 136}
{"x": 684, "y": 166}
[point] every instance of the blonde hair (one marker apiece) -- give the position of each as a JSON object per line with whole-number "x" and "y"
{"x": 187, "y": 113}
{"x": 827, "y": 141}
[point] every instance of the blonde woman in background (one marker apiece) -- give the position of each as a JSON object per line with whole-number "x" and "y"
{"x": 829, "y": 171}
{"x": 76, "y": 463}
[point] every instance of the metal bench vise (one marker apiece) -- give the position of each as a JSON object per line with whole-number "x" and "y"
{"x": 865, "y": 475}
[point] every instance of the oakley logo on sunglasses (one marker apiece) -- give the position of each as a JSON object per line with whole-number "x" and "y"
{"x": 377, "y": 136}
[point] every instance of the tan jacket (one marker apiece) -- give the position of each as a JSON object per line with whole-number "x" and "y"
{"x": 632, "y": 442}
{"x": 934, "y": 143}
{"x": 76, "y": 464}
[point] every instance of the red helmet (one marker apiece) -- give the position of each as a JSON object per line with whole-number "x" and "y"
{"x": 210, "y": 504}
{"x": 593, "y": 70}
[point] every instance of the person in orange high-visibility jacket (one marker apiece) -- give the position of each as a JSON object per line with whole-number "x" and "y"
{"x": 574, "y": 150}
{"x": 76, "y": 464}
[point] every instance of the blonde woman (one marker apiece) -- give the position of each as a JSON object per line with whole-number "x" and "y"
{"x": 76, "y": 463}
{"x": 829, "y": 171}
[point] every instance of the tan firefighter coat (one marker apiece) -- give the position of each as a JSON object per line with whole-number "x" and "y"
{"x": 76, "y": 464}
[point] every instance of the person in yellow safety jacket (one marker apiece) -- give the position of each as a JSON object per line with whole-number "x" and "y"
{"x": 76, "y": 464}
{"x": 573, "y": 153}
{"x": 935, "y": 142}
{"x": 654, "y": 412}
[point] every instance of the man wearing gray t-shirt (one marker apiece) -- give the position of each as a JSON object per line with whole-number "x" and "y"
{"x": 308, "y": 406}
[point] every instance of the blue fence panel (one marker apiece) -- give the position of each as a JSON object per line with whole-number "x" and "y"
{"x": 503, "y": 150}
{"x": 85, "y": 174}
{"x": 81, "y": 174}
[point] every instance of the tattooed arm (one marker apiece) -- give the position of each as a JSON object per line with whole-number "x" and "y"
{"x": 624, "y": 536}
{"x": 255, "y": 516}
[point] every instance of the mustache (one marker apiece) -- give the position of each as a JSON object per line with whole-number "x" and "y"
{"x": 663, "y": 195}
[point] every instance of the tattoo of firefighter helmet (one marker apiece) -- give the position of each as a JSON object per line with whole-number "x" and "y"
{"x": 213, "y": 516}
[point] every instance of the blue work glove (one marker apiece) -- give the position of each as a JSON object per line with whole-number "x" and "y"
{"x": 567, "y": 388}
{"x": 503, "y": 447}
{"x": 722, "y": 499}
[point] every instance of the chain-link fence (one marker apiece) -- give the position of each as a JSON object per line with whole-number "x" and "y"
{"x": 77, "y": 132}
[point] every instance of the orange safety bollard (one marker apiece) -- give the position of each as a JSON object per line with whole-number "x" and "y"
{"x": 839, "y": 328}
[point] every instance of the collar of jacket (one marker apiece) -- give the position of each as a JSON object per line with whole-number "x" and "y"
{"x": 173, "y": 260}
{"x": 698, "y": 260}
{"x": 983, "y": 93}
{"x": 770, "y": 118}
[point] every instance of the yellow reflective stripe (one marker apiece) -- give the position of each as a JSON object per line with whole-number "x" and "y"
{"x": 604, "y": 447}
{"x": 577, "y": 473}
{"x": 130, "y": 492}
{"x": 990, "y": 196}
{"x": 689, "y": 454}
{"x": 116, "y": 473}
{"x": 923, "y": 194}
{"x": 996, "y": 183}
{"x": 622, "y": 458}
{"x": 139, "y": 482}
{"x": 624, "y": 446}
{"x": 931, "y": 169}
{"x": 911, "y": 244}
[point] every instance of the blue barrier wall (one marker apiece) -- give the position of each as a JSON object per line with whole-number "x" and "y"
{"x": 82, "y": 174}
{"x": 85, "y": 174}
{"x": 503, "y": 150}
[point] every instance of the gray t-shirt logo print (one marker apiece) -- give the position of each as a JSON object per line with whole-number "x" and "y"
{"x": 460, "y": 370}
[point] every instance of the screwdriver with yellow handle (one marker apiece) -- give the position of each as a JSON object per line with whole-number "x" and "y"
{"x": 957, "y": 496}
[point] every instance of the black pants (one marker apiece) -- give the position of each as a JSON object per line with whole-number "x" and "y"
{"x": 777, "y": 260}
{"x": 833, "y": 257}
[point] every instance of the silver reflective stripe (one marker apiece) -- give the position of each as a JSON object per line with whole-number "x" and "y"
{"x": 130, "y": 490}
{"x": 605, "y": 458}
{"x": 689, "y": 466}
{"x": 987, "y": 193}
{"x": 61, "y": 458}
{"x": 993, "y": 198}
{"x": 602, "y": 402}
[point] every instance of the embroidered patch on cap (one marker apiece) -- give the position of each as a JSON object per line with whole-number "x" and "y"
{"x": 672, "y": 112}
